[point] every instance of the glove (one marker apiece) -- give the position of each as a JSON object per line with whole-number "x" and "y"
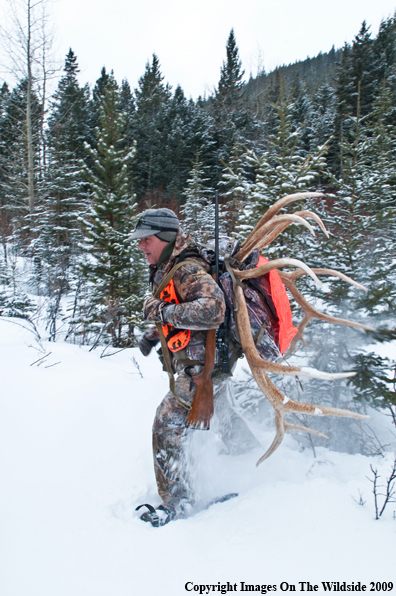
{"x": 148, "y": 340}
{"x": 153, "y": 310}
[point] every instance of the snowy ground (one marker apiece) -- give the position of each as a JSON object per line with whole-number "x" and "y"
{"x": 75, "y": 460}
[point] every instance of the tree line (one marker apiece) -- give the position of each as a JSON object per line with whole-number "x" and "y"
{"x": 78, "y": 167}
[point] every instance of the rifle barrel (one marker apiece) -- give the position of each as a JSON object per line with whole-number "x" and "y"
{"x": 217, "y": 235}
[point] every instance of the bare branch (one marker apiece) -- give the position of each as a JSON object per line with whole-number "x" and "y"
{"x": 390, "y": 488}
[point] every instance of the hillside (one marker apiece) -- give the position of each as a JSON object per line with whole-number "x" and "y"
{"x": 76, "y": 460}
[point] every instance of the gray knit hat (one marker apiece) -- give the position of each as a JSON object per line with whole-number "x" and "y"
{"x": 162, "y": 223}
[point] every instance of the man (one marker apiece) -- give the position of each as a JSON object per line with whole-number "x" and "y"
{"x": 190, "y": 305}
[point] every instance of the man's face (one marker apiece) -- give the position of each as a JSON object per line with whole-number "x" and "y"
{"x": 152, "y": 248}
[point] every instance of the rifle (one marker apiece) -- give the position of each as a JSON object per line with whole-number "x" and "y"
{"x": 202, "y": 407}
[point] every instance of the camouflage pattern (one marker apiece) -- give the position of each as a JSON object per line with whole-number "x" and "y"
{"x": 201, "y": 307}
{"x": 262, "y": 325}
{"x": 171, "y": 440}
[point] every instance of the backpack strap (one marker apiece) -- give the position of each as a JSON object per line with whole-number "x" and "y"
{"x": 171, "y": 273}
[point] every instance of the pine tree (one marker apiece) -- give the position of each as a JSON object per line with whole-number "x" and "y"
{"x": 235, "y": 188}
{"x": 322, "y": 122}
{"x": 57, "y": 233}
{"x": 15, "y": 162}
{"x": 362, "y": 218}
{"x": 94, "y": 108}
{"x": 229, "y": 104}
{"x": 174, "y": 163}
{"x": 384, "y": 49}
{"x": 229, "y": 92}
{"x": 151, "y": 98}
{"x": 114, "y": 266}
{"x": 357, "y": 82}
{"x": 280, "y": 170}
{"x": 127, "y": 106}
{"x": 358, "y": 75}
{"x": 302, "y": 114}
{"x": 68, "y": 123}
{"x": 201, "y": 129}
{"x": 198, "y": 211}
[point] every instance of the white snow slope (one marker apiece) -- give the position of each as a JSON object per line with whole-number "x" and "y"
{"x": 75, "y": 461}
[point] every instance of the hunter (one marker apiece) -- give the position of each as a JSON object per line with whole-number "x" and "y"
{"x": 189, "y": 305}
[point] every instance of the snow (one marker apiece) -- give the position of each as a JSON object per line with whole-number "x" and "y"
{"x": 75, "y": 461}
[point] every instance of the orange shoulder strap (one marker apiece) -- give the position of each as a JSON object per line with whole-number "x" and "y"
{"x": 176, "y": 339}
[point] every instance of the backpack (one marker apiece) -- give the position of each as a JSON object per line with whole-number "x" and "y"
{"x": 266, "y": 300}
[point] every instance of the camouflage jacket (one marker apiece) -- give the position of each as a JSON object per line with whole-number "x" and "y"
{"x": 202, "y": 304}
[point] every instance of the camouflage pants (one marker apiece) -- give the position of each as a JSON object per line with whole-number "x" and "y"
{"x": 170, "y": 437}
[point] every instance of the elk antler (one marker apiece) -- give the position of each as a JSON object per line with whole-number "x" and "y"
{"x": 309, "y": 311}
{"x": 280, "y": 228}
{"x": 271, "y": 226}
{"x": 269, "y": 214}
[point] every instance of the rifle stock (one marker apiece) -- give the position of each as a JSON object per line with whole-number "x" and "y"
{"x": 202, "y": 407}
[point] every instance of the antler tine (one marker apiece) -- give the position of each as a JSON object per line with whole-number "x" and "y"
{"x": 299, "y": 335}
{"x": 255, "y": 359}
{"x": 315, "y": 217}
{"x": 276, "y": 264}
{"x": 255, "y": 239}
{"x": 277, "y": 206}
{"x": 332, "y": 272}
{"x": 258, "y": 243}
{"x": 282, "y": 425}
{"x": 271, "y": 236}
{"x": 277, "y": 399}
{"x": 309, "y": 311}
{"x": 308, "y": 308}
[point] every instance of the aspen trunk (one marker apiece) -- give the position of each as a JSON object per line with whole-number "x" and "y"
{"x": 29, "y": 126}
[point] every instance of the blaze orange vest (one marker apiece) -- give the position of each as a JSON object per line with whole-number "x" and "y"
{"x": 282, "y": 306}
{"x": 176, "y": 339}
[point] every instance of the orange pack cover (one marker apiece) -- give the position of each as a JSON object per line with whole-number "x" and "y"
{"x": 282, "y": 305}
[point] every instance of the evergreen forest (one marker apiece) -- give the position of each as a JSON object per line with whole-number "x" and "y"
{"x": 77, "y": 168}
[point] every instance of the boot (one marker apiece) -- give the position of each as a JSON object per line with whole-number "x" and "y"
{"x": 157, "y": 517}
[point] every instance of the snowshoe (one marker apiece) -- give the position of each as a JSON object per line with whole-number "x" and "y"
{"x": 156, "y": 517}
{"x": 222, "y": 499}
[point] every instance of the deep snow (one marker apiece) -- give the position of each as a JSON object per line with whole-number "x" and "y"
{"x": 75, "y": 461}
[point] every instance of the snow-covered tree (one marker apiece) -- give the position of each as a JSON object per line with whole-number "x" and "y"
{"x": 151, "y": 99}
{"x": 198, "y": 212}
{"x": 113, "y": 265}
{"x": 361, "y": 218}
{"x": 262, "y": 178}
{"x": 56, "y": 229}
{"x": 15, "y": 178}
{"x": 228, "y": 104}
{"x": 230, "y": 88}
{"x": 68, "y": 122}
